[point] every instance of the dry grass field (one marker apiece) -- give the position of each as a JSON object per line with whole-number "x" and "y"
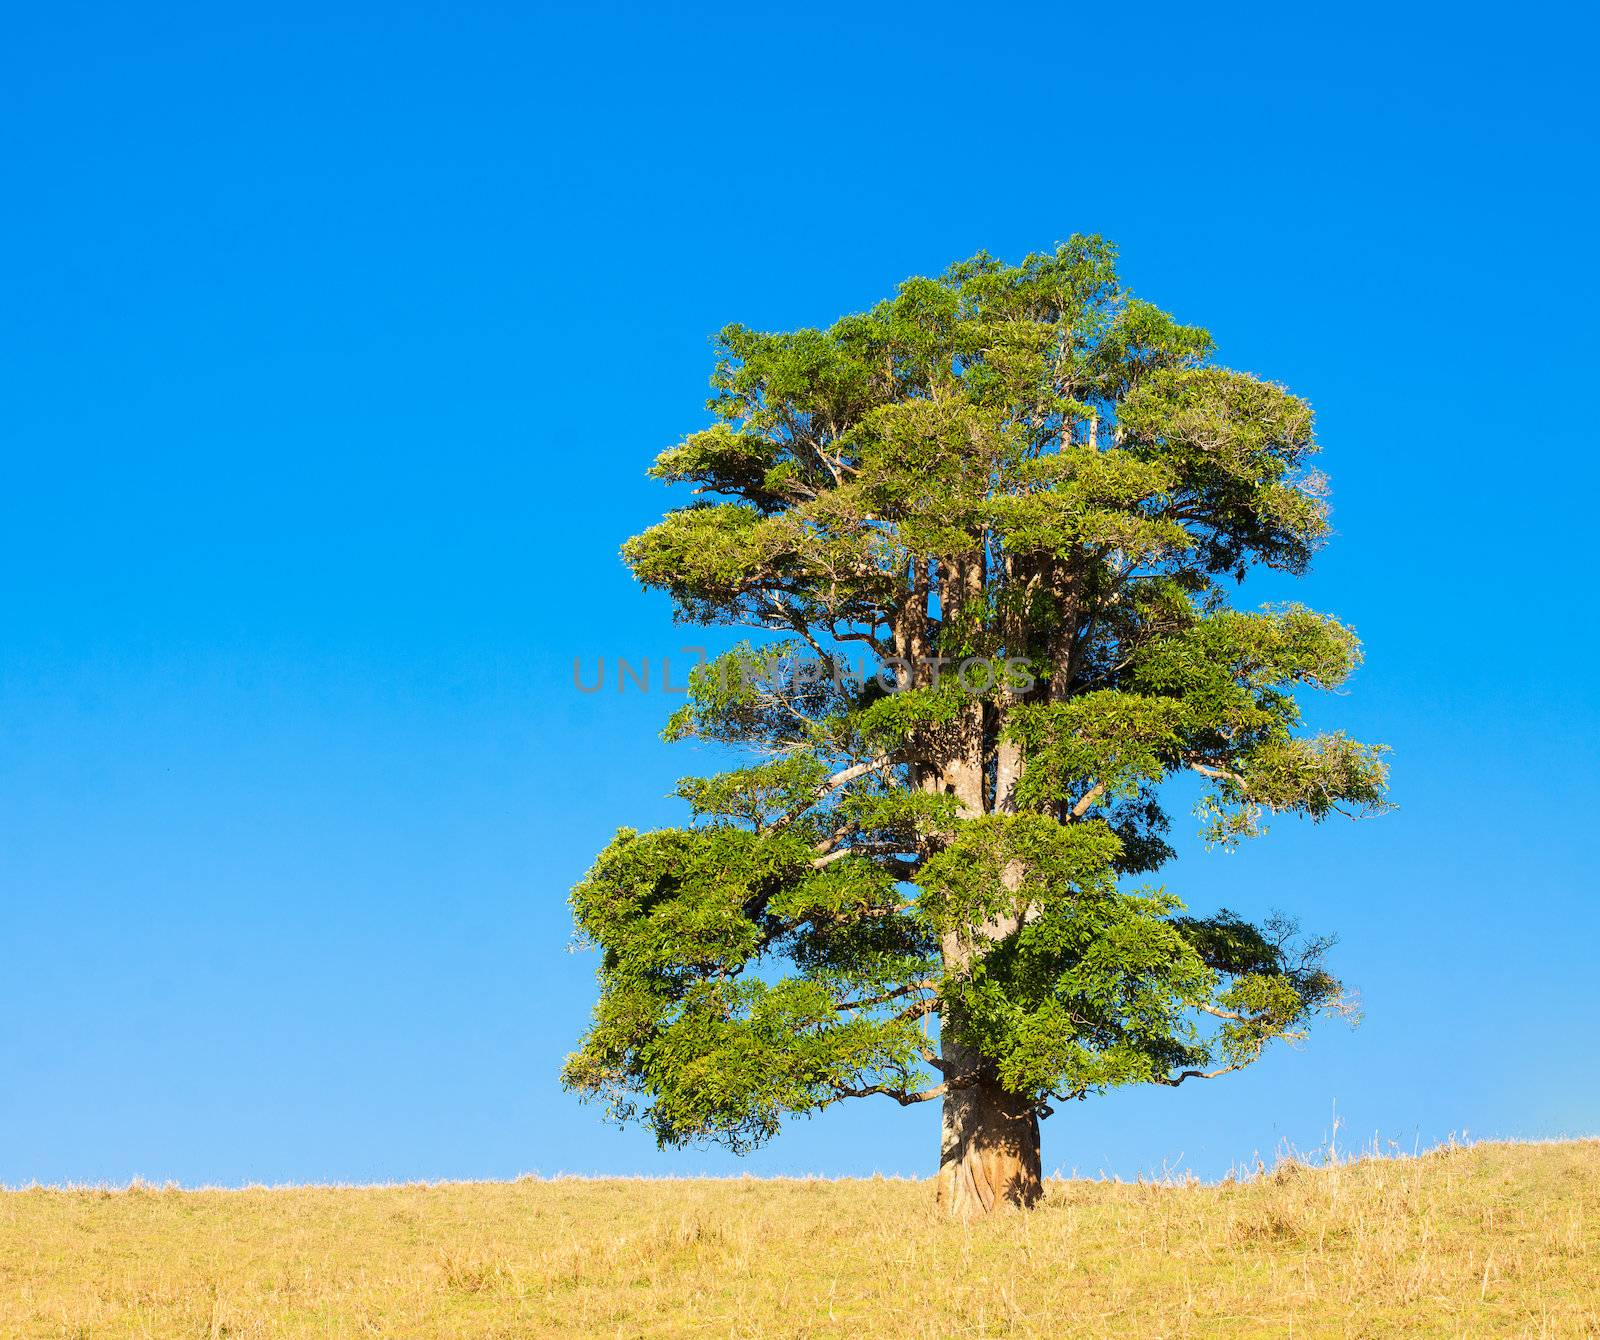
{"x": 1492, "y": 1240}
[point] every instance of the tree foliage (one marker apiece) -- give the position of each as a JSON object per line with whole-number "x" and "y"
{"x": 989, "y": 530}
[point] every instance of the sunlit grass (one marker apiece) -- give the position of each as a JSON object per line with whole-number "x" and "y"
{"x": 1493, "y": 1240}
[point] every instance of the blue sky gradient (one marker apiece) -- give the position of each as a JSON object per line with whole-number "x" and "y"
{"x": 338, "y": 341}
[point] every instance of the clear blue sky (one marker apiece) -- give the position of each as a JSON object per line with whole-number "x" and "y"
{"x": 337, "y": 341}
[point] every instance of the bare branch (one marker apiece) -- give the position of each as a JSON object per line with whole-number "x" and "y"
{"x": 1217, "y": 1012}
{"x": 900, "y": 1095}
{"x": 1093, "y": 794}
{"x": 834, "y": 839}
{"x": 850, "y": 774}
{"x": 1216, "y": 774}
{"x": 926, "y": 984}
{"x": 1173, "y": 1081}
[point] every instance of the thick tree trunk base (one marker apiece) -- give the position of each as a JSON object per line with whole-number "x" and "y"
{"x": 989, "y": 1156}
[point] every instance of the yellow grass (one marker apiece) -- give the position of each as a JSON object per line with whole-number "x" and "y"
{"x": 1494, "y": 1240}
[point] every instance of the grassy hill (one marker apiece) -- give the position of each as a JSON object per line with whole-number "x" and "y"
{"x": 1492, "y": 1240}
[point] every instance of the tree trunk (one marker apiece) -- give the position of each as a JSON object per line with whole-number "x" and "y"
{"x": 989, "y": 1145}
{"x": 989, "y": 1150}
{"x": 989, "y": 1155}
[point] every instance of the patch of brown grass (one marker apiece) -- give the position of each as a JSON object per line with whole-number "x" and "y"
{"x": 1492, "y": 1240}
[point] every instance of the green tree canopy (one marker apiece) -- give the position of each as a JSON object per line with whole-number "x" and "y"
{"x": 988, "y": 530}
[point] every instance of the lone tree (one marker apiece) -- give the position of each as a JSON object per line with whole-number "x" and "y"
{"x": 995, "y": 521}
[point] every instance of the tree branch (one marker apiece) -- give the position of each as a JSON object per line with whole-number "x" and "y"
{"x": 1093, "y": 794}
{"x": 1173, "y": 1081}
{"x": 850, "y": 774}
{"x": 900, "y": 1095}
{"x": 926, "y": 984}
{"x": 1216, "y": 774}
